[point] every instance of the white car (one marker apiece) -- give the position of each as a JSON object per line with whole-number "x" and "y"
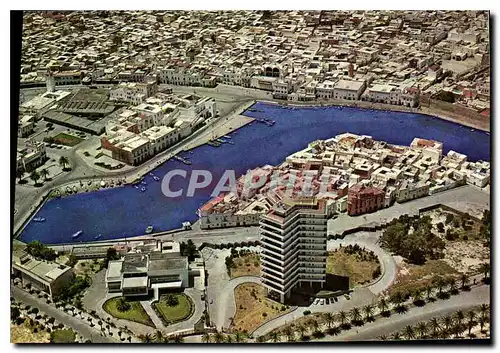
{"x": 316, "y": 301}
{"x": 322, "y": 301}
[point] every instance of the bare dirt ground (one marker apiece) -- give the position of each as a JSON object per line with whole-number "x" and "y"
{"x": 466, "y": 256}
{"x": 253, "y": 308}
{"x": 24, "y": 334}
{"x": 247, "y": 265}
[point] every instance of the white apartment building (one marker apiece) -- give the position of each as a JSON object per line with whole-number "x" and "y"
{"x": 281, "y": 89}
{"x": 293, "y": 246}
{"x": 348, "y": 89}
{"x": 324, "y": 90}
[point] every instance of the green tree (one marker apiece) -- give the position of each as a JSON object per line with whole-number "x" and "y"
{"x": 421, "y": 329}
{"x": 435, "y": 326}
{"x": 409, "y": 332}
{"x": 35, "y": 176}
{"x": 19, "y": 174}
{"x": 123, "y": 306}
{"x": 206, "y": 338}
{"x": 355, "y": 315}
{"x": 218, "y": 337}
{"x": 383, "y": 305}
{"x": 44, "y": 173}
{"x": 275, "y": 336}
{"x": 368, "y": 311}
{"x": 289, "y": 334}
{"x": 485, "y": 269}
{"x": 63, "y": 162}
{"x": 471, "y": 320}
{"x": 172, "y": 300}
{"x": 342, "y": 317}
{"x": 330, "y": 319}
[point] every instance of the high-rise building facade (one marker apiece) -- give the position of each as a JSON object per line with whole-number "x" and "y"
{"x": 293, "y": 246}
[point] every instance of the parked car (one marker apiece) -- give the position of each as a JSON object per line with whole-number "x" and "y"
{"x": 322, "y": 301}
{"x": 316, "y": 301}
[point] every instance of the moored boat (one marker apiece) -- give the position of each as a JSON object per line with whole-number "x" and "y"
{"x": 149, "y": 229}
{"x": 77, "y": 234}
{"x": 39, "y": 219}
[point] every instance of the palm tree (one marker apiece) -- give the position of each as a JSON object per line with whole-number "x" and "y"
{"x": 289, "y": 334}
{"x": 409, "y": 332}
{"x": 383, "y": 305}
{"x": 63, "y": 161}
{"x": 457, "y": 330}
{"x": 238, "y": 337}
{"x": 439, "y": 283}
{"x": 382, "y": 337}
{"x": 145, "y": 338}
{"x": 206, "y": 338}
{"x": 459, "y": 317}
{"x": 421, "y": 329}
{"x": 35, "y": 176}
{"x": 464, "y": 279}
{"x": 447, "y": 323}
{"x": 485, "y": 269}
{"x": 435, "y": 325}
{"x": 229, "y": 339}
{"x": 218, "y": 337}
{"x": 274, "y": 336}
{"x": 428, "y": 292}
{"x": 19, "y": 174}
{"x": 342, "y": 317}
{"x": 314, "y": 326}
{"x": 334, "y": 331}
{"x": 396, "y": 336}
{"x": 301, "y": 330}
{"x": 330, "y": 319}
{"x": 483, "y": 320}
{"x": 44, "y": 173}
{"x": 178, "y": 339}
{"x": 355, "y": 315}
{"x": 158, "y": 336}
{"x": 397, "y": 299}
{"x": 368, "y": 311}
{"x": 484, "y": 309}
{"x": 417, "y": 297}
{"x": 452, "y": 286}
{"x": 471, "y": 315}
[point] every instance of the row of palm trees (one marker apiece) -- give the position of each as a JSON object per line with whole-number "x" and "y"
{"x": 219, "y": 337}
{"x": 397, "y": 302}
{"x": 43, "y": 173}
{"x": 447, "y": 326}
{"x": 159, "y": 337}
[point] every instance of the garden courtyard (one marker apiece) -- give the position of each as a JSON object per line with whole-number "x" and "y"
{"x": 125, "y": 309}
{"x": 174, "y": 307}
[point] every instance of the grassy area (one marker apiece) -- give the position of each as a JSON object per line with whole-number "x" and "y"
{"x": 62, "y": 336}
{"x": 359, "y": 267}
{"x": 24, "y": 334}
{"x": 66, "y": 139}
{"x": 135, "y": 313}
{"x": 253, "y": 308}
{"x": 175, "y": 313}
{"x": 412, "y": 277}
{"x": 247, "y": 265}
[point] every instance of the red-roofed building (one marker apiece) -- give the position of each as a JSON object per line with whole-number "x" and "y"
{"x": 362, "y": 199}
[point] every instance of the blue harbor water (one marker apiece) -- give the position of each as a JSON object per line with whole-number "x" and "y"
{"x": 127, "y": 211}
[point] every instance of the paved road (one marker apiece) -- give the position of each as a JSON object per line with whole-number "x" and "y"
{"x": 386, "y": 326}
{"x": 465, "y": 198}
{"x": 70, "y": 321}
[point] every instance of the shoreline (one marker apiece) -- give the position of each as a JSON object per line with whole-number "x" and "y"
{"x": 381, "y": 107}
{"x": 134, "y": 175}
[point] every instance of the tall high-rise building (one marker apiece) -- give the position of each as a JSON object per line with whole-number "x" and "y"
{"x": 293, "y": 246}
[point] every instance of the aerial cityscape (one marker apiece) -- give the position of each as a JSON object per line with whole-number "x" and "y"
{"x": 252, "y": 177}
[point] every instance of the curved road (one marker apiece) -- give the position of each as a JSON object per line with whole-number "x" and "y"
{"x": 360, "y": 296}
{"x": 226, "y": 301}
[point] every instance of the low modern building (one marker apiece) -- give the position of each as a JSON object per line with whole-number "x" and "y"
{"x": 30, "y": 156}
{"x": 293, "y": 246}
{"x": 149, "y": 269}
{"x": 47, "y": 276}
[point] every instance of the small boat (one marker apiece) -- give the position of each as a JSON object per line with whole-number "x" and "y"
{"x": 149, "y": 229}
{"x": 136, "y": 186}
{"x": 471, "y": 129}
{"x": 39, "y": 219}
{"x": 227, "y": 136}
{"x": 191, "y": 152}
{"x": 151, "y": 174}
{"x": 230, "y": 142}
{"x": 98, "y": 236}
{"x": 221, "y": 140}
{"x": 144, "y": 182}
{"x": 143, "y": 189}
{"x": 488, "y": 133}
{"x": 77, "y": 234}
{"x": 156, "y": 178}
